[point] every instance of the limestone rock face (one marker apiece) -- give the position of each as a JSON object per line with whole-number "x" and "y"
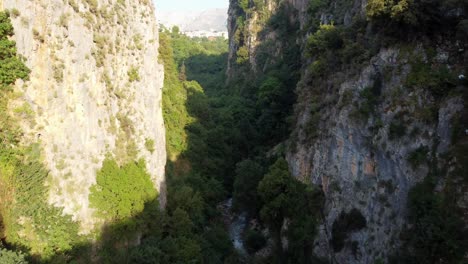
{"x": 95, "y": 88}
{"x": 362, "y": 167}
{"x": 364, "y": 163}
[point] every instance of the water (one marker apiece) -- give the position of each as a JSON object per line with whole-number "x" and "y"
{"x": 236, "y": 225}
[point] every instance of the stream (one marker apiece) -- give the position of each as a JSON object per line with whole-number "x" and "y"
{"x": 236, "y": 224}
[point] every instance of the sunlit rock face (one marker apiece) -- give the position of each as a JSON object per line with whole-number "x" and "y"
{"x": 95, "y": 88}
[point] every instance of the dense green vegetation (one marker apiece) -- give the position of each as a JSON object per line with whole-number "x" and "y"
{"x": 122, "y": 192}
{"x": 11, "y": 66}
{"x": 436, "y": 233}
{"x": 284, "y": 198}
{"x": 217, "y": 137}
{"x": 227, "y": 139}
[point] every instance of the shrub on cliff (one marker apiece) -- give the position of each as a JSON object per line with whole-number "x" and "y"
{"x": 121, "y": 192}
{"x": 11, "y": 66}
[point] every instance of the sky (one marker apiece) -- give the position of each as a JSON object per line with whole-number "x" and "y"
{"x": 188, "y": 5}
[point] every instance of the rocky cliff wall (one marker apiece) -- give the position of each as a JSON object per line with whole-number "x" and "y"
{"x": 95, "y": 90}
{"x": 361, "y": 164}
{"x": 363, "y": 131}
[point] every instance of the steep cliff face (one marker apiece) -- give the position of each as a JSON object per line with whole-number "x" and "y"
{"x": 248, "y": 28}
{"x": 369, "y": 125}
{"x": 362, "y": 163}
{"x": 94, "y": 88}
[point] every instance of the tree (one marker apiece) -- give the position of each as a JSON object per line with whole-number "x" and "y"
{"x": 242, "y": 55}
{"x": 244, "y": 4}
{"x": 175, "y": 30}
{"x": 11, "y": 67}
{"x": 273, "y": 190}
{"x": 326, "y": 38}
{"x": 180, "y": 223}
{"x": 437, "y": 233}
{"x": 121, "y": 192}
{"x": 286, "y": 198}
{"x": 248, "y": 175}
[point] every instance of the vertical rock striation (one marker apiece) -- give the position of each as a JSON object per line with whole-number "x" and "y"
{"x": 95, "y": 88}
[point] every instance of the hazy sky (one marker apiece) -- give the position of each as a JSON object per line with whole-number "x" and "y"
{"x": 169, "y": 5}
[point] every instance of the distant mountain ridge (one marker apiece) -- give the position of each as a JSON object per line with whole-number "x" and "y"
{"x": 214, "y": 20}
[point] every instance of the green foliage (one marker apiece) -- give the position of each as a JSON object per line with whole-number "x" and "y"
{"x": 316, "y": 5}
{"x": 312, "y": 125}
{"x": 317, "y": 68}
{"x": 49, "y": 232}
{"x": 248, "y": 175}
{"x": 242, "y": 55}
{"x": 121, "y": 192}
{"x": 15, "y": 13}
{"x": 11, "y": 66}
{"x": 286, "y": 198}
{"x": 259, "y": 5}
{"x": 175, "y": 31}
{"x": 438, "y": 80}
{"x": 92, "y": 5}
{"x": 331, "y": 46}
{"x": 409, "y": 16}
{"x": 326, "y": 38}
{"x": 272, "y": 190}
{"x": 244, "y": 5}
{"x": 395, "y": 9}
{"x": 6, "y": 28}
{"x": 11, "y": 257}
{"x": 436, "y": 231}
{"x": 274, "y": 101}
{"x": 370, "y": 99}
{"x": 175, "y": 114}
{"x": 133, "y": 75}
{"x": 44, "y": 230}
{"x": 149, "y": 145}
{"x": 198, "y": 155}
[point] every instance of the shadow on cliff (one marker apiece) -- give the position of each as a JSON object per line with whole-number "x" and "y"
{"x": 190, "y": 229}
{"x": 224, "y": 131}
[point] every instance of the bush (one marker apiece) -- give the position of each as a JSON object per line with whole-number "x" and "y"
{"x": 14, "y": 13}
{"x": 121, "y": 192}
{"x": 133, "y": 74}
{"x": 149, "y": 145}
{"x": 11, "y": 257}
{"x": 438, "y": 80}
{"x": 242, "y": 55}
{"x": 248, "y": 175}
{"x": 244, "y": 5}
{"x": 316, "y": 5}
{"x": 11, "y": 67}
{"x": 328, "y": 37}
{"x": 437, "y": 233}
